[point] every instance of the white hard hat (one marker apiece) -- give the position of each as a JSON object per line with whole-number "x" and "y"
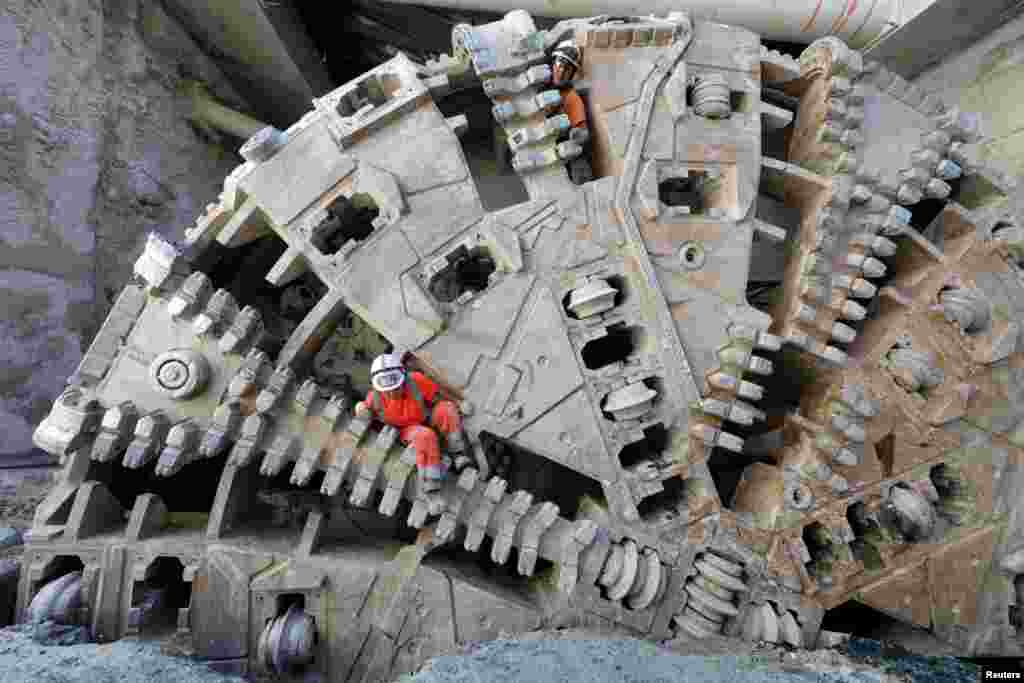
{"x": 387, "y": 372}
{"x": 568, "y": 52}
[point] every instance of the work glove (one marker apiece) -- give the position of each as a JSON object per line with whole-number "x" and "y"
{"x": 362, "y": 410}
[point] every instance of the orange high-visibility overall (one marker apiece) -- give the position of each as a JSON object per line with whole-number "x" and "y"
{"x": 411, "y": 411}
{"x": 574, "y": 107}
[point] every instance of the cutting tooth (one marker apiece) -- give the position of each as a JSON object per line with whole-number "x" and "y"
{"x": 180, "y": 448}
{"x": 507, "y": 524}
{"x": 373, "y": 460}
{"x": 450, "y": 517}
{"x": 477, "y": 526}
{"x": 532, "y": 529}
{"x": 305, "y": 466}
{"x": 757, "y": 338}
{"x": 870, "y": 266}
{"x": 858, "y": 287}
{"x": 336, "y": 473}
{"x": 713, "y": 436}
{"x": 219, "y": 313}
{"x": 281, "y": 452}
{"x": 769, "y": 624}
{"x": 337, "y": 408}
{"x": 305, "y": 397}
{"x": 853, "y": 430}
{"x": 245, "y": 328}
{"x": 397, "y": 477}
{"x": 190, "y": 296}
{"x": 736, "y": 411}
{"x": 226, "y": 420}
{"x": 743, "y": 389}
{"x": 835, "y": 356}
{"x": 150, "y": 432}
{"x": 116, "y": 429}
{"x": 280, "y": 382}
{"x": 909, "y": 194}
{"x": 245, "y": 380}
{"x": 789, "y": 629}
{"x": 876, "y": 243}
{"x": 851, "y": 310}
{"x": 753, "y": 624}
{"x": 844, "y": 334}
{"x": 251, "y": 435}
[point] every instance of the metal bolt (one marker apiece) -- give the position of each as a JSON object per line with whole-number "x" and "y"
{"x": 691, "y": 254}
{"x": 173, "y": 374}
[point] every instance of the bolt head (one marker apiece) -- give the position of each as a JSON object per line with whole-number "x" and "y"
{"x": 173, "y": 374}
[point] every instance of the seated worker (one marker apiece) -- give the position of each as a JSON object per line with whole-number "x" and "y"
{"x": 565, "y": 62}
{"x": 416, "y": 409}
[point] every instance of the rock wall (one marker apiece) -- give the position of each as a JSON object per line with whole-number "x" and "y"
{"x": 95, "y": 152}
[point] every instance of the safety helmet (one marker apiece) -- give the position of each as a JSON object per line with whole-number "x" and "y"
{"x": 567, "y": 52}
{"x": 387, "y": 372}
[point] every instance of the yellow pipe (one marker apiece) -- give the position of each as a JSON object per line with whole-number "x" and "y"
{"x": 206, "y": 110}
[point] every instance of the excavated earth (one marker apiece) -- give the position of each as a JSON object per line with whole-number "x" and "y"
{"x": 547, "y": 656}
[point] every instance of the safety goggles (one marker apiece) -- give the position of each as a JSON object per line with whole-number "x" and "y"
{"x": 386, "y": 380}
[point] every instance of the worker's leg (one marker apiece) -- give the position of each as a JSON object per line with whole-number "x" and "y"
{"x": 447, "y": 419}
{"x": 579, "y": 169}
{"x": 428, "y": 456}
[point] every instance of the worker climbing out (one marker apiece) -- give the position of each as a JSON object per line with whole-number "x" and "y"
{"x": 411, "y": 402}
{"x": 565, "y": 63}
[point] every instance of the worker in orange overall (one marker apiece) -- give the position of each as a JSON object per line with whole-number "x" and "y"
{"x": 565, "y": 62}
{"x": 411, "y": 403}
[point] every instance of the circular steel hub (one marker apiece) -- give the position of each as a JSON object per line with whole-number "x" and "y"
{"x": 173, "y": 374}
{"x": 179, "y": 373}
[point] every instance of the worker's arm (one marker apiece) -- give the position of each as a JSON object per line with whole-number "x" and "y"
{"x": 413, "y": 362}
{"x": 363, "y": 407}
{"x": 428, "y": 388}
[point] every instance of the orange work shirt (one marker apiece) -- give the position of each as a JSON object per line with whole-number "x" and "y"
{"x": 404, "y": 411}
{"x": 574, "y": 108}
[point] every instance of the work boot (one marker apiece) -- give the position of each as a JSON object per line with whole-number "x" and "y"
{"x": 455, "y": 442}
{"x": 429, "y": 484}
{"x": 430, "y": 493}
{"x": 580, "y": 171}
{"x": 455, "y": 446}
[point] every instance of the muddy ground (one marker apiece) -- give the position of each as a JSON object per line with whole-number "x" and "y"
{"x": 540, "y": 656}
